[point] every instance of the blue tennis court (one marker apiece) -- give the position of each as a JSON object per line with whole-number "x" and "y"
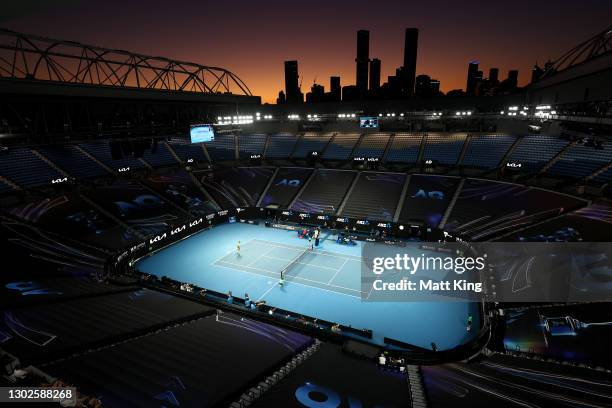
{"x": 324, "y": 283}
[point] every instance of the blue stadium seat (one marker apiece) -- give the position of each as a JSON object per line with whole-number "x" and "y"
{"x": 24, "y": 168}
{"x": 187, "y": 151}
{"x": 372, "y": 145}
{"x": 580, "y": 161}
{"x": 341, "y": 147}
{"x": 311, "y": 142}
{"x": 405, "y": 148}
{"x": 281, "y": 145}
{"x": 251, "y": 144}
{"x": 222, "y": 148}
{"x": 534, "y": 151}
{"x": 161, "y": 157}
{"x": 444, "y": 148}
{"x": 486, "y": 151}
{"x": 101, "y": 151}
{"x": 73, "y": 161}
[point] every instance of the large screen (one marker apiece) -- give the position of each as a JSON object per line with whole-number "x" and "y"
{"x": 368, "y": 122}
{"x": 202, "y": 133}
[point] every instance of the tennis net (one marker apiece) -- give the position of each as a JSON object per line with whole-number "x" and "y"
{"x": 293, "y": 262}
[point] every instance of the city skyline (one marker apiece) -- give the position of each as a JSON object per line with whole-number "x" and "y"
{"x": 261, "y": 37}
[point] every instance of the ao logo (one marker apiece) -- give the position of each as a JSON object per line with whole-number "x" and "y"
{"x": 437, "y": 195}
{"x": 325, "y": 397}
{"x": 287, "y": 182}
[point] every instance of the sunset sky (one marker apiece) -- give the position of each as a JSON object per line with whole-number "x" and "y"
{"x": 253, "y": 38}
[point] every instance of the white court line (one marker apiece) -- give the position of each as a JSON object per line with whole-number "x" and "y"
{"x": 293, "y": 276}
{"x": 232, "y": 251}
{"x": 267, "y": 291}
{"x": 320, "y": 252}
{"x": 303, "y": 263}
{"x": 261, "y": 256}
{"x": 336, "y": 274}
{"x": 295, "y": 283}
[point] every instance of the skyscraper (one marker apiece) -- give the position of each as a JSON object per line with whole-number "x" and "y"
{"x": 411, "y": 41}
{"x": 494, "y": 75}
{"x": 292, "y": 87}
{"x": 513, "y": 78}
{"x": 374, "y": 74}
{"x": 362, "y": 60}
{"x": 472, "y": 78}
{"x": 334, "y": 88}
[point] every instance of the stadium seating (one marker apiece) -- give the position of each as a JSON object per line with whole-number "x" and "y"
{"x": 251, "y": 144}
{"x": 160, "y": 157}
{"x": 101, "y": 151}
{"x": 311, "y": 142}
{"x": 580, "y": 161}
{"x": 372, "y": 145}
{"x": 375, "y": 196}
{"x": 533, "y": 152}
{"x": 604, "y": 177}
{"x": 4, "y": 188}
{"x": 237, "y": 187}
{"x": 405, "y": 148}
{"x": 187, "y": 151}
{"x": 73, "y": 161}
{"x": 222, "y": 147}
{"x": 280, "y": 145}
{"x": 23, "y": 167}
{"x": 325, "y": 191}
{"x": 341, "y": 146}
{"x": 486, "y": 151}
{"x": 443, "y": 148}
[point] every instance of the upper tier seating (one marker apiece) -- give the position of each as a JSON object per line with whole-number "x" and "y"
{"x": 405, "y": 148}
{"x": 251, "y": 144}
{"x": 580, "y": 161}
{"x": 101, "y": 151}
{"x": 486, "y": 151}
{"x": 161, "y": 157}
{"x": 221, "y": 148}
{"x": 311, "y": 142}
{"x": 534, "y": 151}
{"x": 341, "y": 147}
{"x": 444, "y": 148}
{"x": 604, "y": 177}
{"x": 23, "y": 167}
{"x": 372, "y": 145}
{"x": 187, "y": 151}
{"x": 280, "y": 145}
{"x": 73, "y": 161}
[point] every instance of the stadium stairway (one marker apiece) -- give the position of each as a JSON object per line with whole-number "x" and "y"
{"x": 91, "y": 157}
{"x": 373, "y": 196}
{"x": 257, "y": 391}
{"x": 49, "y": 162}
{"x": 324, "y": 192}
{"x": 9, "y": 183}
{"x": 556, "y": 158}
{"x": 417, "y": 388}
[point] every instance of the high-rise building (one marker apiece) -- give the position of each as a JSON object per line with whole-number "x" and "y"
{"x": 334, "y": 88}
{"x": 362, "y": 61}
{"x": 411, "y": 41}
{"x": 513, "y": 78}
{"x": 494, "y": 75}
{"x": 293, "y": 94}
{"x": 472, "y": 78}
{"x": 316, "y": 94}
{"x": 425, "y": 86}
{"x": 374, "y": 74}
